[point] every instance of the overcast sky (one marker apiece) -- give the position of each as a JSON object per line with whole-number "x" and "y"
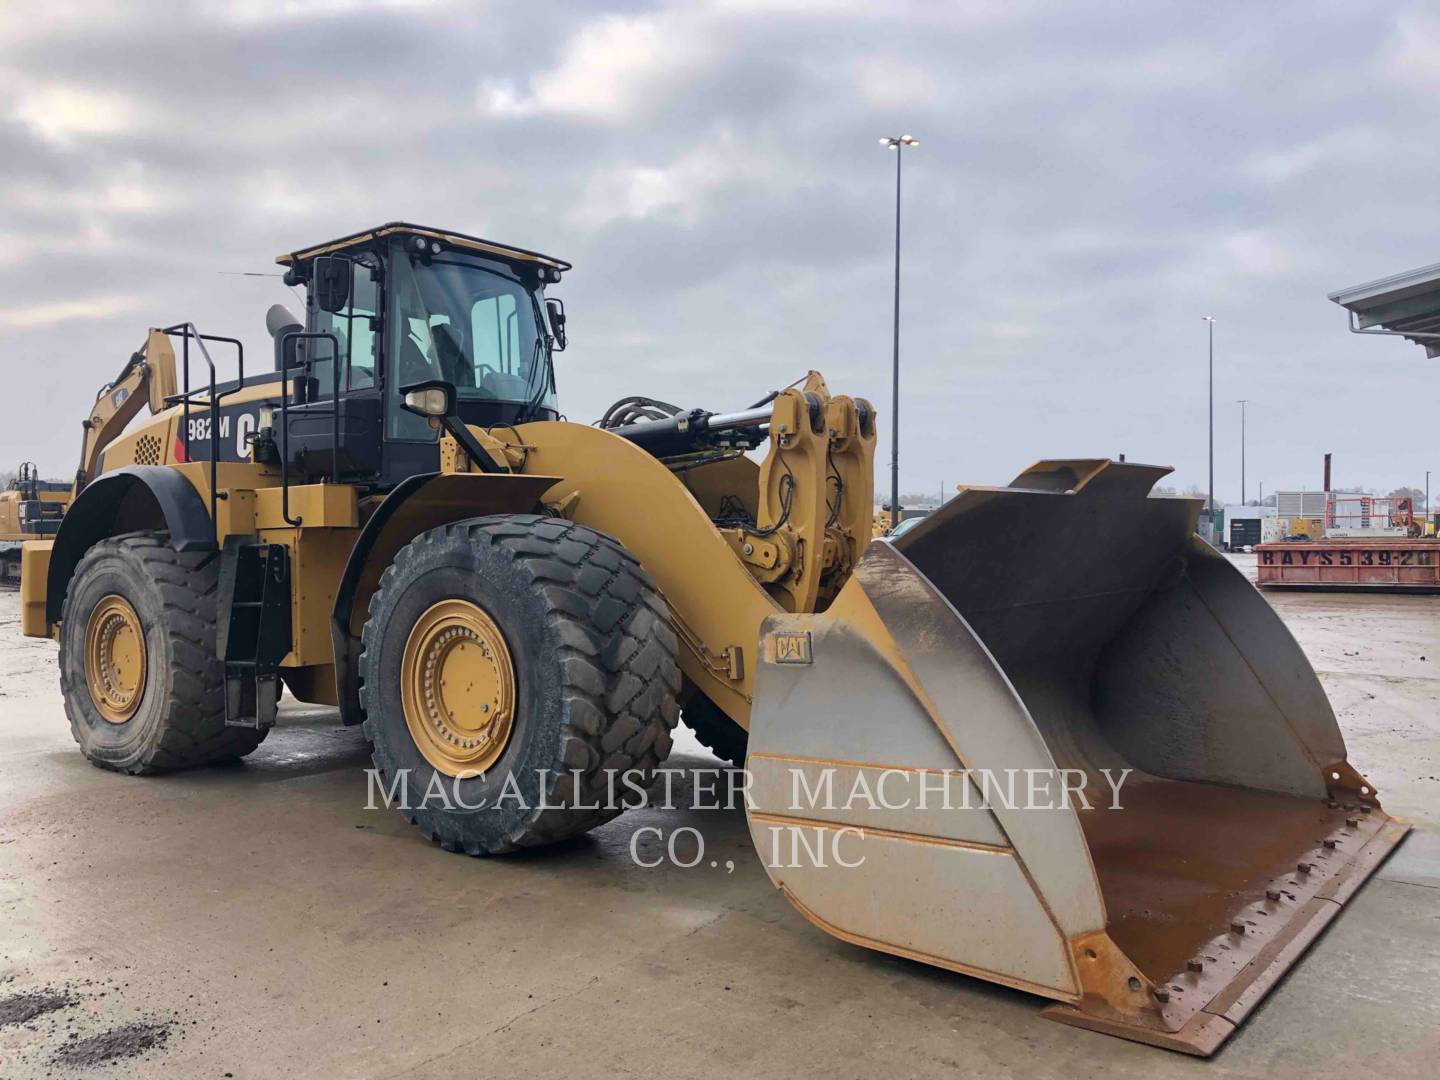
{"x": 1092, "y": 179}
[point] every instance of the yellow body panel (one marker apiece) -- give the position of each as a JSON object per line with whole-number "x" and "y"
{"x": 318, "y": 548}
{"x": 618, "y": 489}
{"x": 317, "y": 559}
{"x": 34, "y": 568}
{"x": 315, "y": 506}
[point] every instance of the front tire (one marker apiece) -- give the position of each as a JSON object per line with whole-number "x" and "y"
{"x": 514, "y": 670}
{"x": 143, "y": 688}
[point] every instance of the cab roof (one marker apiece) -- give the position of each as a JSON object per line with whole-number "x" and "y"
{"x": 445, "y": 236}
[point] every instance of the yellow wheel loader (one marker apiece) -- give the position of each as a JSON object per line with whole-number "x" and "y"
{"x": 394, "y": 519}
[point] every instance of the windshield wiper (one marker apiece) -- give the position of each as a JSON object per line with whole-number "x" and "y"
{"x": 546, "y": 377}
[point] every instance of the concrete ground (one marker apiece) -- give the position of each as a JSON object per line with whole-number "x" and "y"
{"x": 257, "y": 920}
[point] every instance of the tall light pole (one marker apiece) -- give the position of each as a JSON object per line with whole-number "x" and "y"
{"x": 1210, "y": 504}
{"x": 1242, "y": 403}
{"x": 898, "y": 143}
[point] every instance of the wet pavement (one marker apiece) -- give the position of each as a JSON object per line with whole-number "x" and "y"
{"x": 258, "y": 920}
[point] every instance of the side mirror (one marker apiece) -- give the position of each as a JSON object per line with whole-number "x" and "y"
{"x": 330, "y": 278}
{"x": 556, "y": 310}
{"x": 434, "y": 398}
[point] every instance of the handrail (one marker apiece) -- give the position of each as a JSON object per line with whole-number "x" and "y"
{"x": 304, "y": 335}
{"x": 186, "y": 331}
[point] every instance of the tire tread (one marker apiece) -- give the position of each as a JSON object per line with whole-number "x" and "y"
{"x": 194, "y": 733}
{"x": 621, "y": 678}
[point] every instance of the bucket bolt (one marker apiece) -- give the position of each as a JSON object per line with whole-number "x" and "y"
{"x": 1237, "y": 927}
{"x": 1352, "y": 823}
{"x": 1303, "y": 867}
{"x": 1272, "y": 894}
{"x": 1195, "y": 965}
{"x": 1330, "y": 844}
{"x": 1162, "y": 995}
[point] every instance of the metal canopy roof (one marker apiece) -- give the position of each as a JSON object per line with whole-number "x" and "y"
{"x": 1406, "y": 304}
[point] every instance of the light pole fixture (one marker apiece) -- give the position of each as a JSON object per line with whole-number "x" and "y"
{"x": 1242, "y": 403}
{"x": 1210, "y": 502}
{"x": 898, "y": 143}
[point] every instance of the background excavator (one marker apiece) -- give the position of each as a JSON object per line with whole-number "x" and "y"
{"x": 29, "y": 508}
{"x": 395, "y": 520}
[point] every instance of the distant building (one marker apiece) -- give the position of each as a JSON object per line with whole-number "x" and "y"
{"x": 1243, "y": 525}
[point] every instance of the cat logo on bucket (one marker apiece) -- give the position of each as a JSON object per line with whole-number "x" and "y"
{"x": 791, "y": 647}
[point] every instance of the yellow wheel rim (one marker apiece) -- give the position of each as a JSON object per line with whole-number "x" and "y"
{"x": 115, "y": 658}
{"x": 457, "y": 688}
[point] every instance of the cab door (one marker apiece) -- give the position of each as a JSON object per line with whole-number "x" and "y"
{"x": 348, "y": 369}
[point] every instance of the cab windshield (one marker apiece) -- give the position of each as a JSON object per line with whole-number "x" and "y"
{"x": 470, "y": 322}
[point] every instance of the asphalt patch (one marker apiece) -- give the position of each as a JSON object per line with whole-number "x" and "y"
{"x": 22, "y": 1008}
{"x": 126, "y": 1041}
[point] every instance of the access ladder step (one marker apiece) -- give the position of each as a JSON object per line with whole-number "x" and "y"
{"x": 253, "y": 632}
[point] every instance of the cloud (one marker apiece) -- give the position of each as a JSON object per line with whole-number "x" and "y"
{"x": 35, "y": 316}
{"x": 678, "y": 191}
{"x": 894, "y": 82}
{"x": 1410, "y": 59}
{"x": 1286, "y": 164}
{"x": 610, "y": 68}
{"x": 1258, "y": 252}
{"x": 1091, "y": 179}
{"x": 244, "y": 12}
{"x": 62, "y": 113}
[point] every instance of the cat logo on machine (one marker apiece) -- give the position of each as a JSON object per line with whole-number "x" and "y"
{"x": 119, "y": 397}
{"x": 791, "y": 647}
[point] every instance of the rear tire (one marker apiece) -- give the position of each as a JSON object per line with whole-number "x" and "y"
{"x": 722, "y": 736}
{"x": 174, "y": 718}
{"x": 593, "y": 680}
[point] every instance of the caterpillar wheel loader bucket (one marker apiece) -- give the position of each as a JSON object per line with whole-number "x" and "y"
{"x": 1066, "y": 635}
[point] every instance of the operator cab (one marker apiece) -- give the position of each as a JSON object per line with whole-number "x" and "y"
{"x": 404, "y": 304}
